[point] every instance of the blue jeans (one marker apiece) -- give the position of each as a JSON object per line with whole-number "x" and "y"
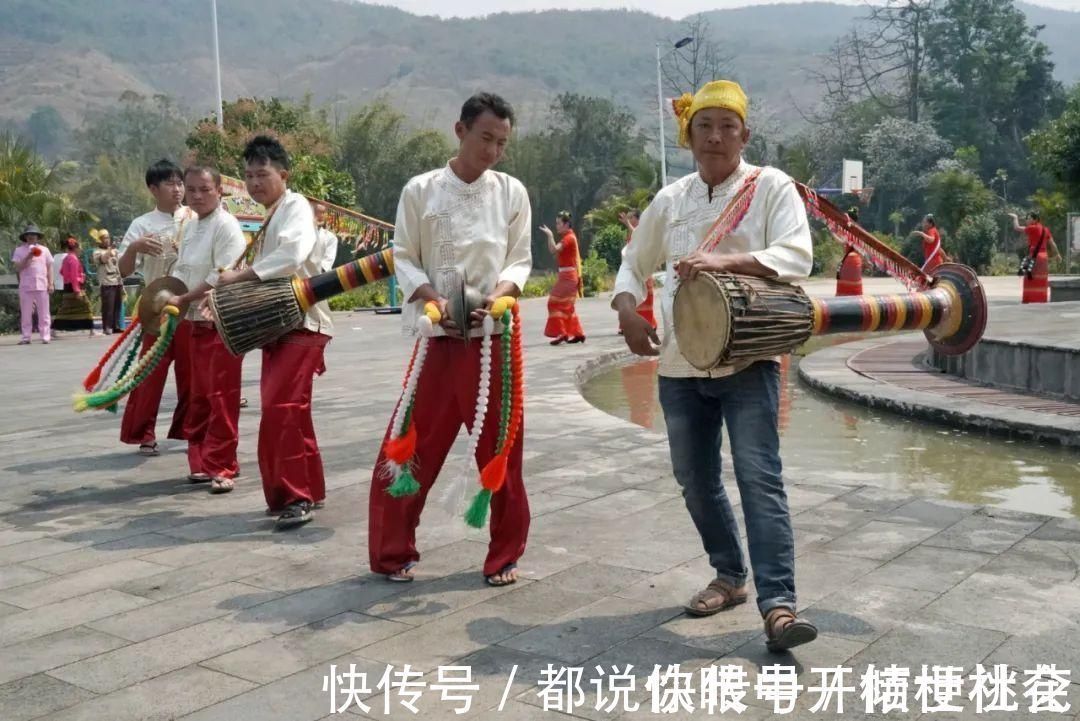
{"x": 695, "y": 410}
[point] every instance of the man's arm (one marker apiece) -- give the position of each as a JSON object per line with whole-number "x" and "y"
{"x": 518, "y": 262}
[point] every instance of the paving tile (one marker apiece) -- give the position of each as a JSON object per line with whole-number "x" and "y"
{"x": 27, "y": 658}
{"x": 164, "y": 617}
{"x": 160, "y": 655}
{"x": 304, "y": 647}
{"x": 20, "y": 575}
{"x": 928, "y": 568}
{"x": 112, "y": 575}
{"x": 78, "y": 611}
{"x": 880, "y": 540}
{"x": 589, "y": 631}
{"x": 985, "y": 532}
{"x": 35, "y": 696}
{"x": 159, "y": 699}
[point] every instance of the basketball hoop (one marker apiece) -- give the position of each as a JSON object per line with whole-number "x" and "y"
{"x": 864, "y": 195}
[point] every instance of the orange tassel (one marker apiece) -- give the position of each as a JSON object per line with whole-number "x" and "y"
{"x": 494, "y": 474}
{"x": 401, "y": 449}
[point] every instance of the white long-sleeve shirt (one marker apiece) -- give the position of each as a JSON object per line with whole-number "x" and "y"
{"x": 288, "y": 248}
{"x": 152, "y": 267}
{"x": 326, "y": 248}
{"x": 447, "y": 228}
{"x": 208, "y": 244}
{"x": 775, "y": 231}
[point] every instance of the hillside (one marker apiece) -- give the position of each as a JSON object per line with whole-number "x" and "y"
{"x": 80, "y": 55}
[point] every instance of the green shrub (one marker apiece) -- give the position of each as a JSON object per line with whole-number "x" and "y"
{"x": 539, "y": 286}
{"x": 596, "y": 275}
{"x": 374, "y": 295}
{"x": 608, "y": 243}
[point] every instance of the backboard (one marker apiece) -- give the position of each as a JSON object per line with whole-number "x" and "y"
{"x": 852, "y": 176}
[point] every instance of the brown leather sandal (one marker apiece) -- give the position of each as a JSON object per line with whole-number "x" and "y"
{"x": 783, "y": 630}
{"x": 714, "y": 598}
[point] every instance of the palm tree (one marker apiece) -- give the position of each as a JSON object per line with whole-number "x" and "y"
{"x": 30, "y": 191}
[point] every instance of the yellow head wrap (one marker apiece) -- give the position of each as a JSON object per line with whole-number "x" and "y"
{"x": 723, "y": 94}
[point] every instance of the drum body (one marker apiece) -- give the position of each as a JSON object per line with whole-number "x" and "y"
{"x": 722, "y": 318}
{"x": 250, "y": 314}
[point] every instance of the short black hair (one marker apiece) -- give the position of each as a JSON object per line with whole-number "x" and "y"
{"x": 266, "y": 149}
{"x": 565, "y": 217}
{"x": 200, "y": 169}
{"x": 853, "y": 213}
{"x": 930, "y": 219}
{"x": 475, "y": 106}
{"x": 163, "y": 170}
{"x": 1034, "y": 215}
{"x": 635, "y": 213}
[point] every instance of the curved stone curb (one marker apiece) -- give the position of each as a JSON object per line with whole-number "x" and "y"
{"x": 827, "y": 371}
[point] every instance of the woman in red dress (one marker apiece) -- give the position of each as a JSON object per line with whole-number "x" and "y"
{"x": 849, "y": 273}
{"x": 1035, "y": 268}
{"x": 563, "y": 323}
{"x": 933, "y": 253}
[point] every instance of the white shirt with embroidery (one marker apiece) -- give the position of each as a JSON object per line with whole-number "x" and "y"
{"x": 289, "y": 248}
{"x": 775, "y": 231}
{"x": 448, "y": 230}
{"x": 326, "y": 249}
{"x": 152, "y": 267}
{"x": 209, "y": 243}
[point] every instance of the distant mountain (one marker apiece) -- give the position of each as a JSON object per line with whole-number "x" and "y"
{"x": 78, "y": 55}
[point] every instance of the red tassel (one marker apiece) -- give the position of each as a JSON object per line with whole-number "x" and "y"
{"x": 91, "y": 380}
{"x": 400, "y": 450}
{"x": 494, "y": 474}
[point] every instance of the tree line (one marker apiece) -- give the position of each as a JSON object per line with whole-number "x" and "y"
{"x": 952, "y": 104}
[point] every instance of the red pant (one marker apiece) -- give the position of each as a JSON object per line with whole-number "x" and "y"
{"x": 446, "y": 398}
{"x": 140, "y": 413}
{"x": 213, "y": 416}
{"x": 289, "y": 459}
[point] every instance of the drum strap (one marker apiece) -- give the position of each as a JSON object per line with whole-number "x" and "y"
{"x": 732, "y": 214}
{"x": 256, "y": 243}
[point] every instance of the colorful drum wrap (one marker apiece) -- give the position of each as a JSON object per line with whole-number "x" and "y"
{"x": 368, "y": 269}
{"x": 952, "y": 314}
{"x": 861, "y": 313}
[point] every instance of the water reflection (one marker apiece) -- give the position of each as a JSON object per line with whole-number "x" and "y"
{"x": 824, "y": 440}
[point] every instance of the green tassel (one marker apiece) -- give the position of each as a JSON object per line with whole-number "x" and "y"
{"x": 113, "y": 408}
{"x": 476, "y": 516}
{"x": 404, "y": 485}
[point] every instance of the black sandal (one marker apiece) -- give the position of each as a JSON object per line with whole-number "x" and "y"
{"x": 295, "y": 514}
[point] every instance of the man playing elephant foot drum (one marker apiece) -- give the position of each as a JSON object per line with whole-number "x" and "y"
{"x": 729, "y": 217}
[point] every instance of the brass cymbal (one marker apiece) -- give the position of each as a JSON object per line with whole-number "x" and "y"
{"x": 152, "y": 302}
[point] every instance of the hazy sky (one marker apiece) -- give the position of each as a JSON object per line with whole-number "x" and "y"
{"x": 669, "y": 8}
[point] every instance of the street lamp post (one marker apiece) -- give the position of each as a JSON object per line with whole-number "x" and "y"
{"x": 660, "y": 104}
{"x": 217, "y": 67}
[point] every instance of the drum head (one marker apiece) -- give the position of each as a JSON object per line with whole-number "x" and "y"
{"x": 153, "y": 300}
{"x": 702, "y": 313}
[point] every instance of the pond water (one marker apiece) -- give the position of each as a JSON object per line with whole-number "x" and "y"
{"x": 824, "y": 440}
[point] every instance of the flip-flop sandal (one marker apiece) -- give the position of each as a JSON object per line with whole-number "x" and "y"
{"x": 491, "y": 580}
{"x": 222, "y": 485}
{"x": 199, "y": 478}
{"x": 796, "y": 632}
{"x": 402, "y": 575}
{"x": 148, "y": 449}
{"x": 295, "y": 514}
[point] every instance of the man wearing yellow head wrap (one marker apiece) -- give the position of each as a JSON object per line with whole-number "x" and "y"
{"x": 729, "y": 217}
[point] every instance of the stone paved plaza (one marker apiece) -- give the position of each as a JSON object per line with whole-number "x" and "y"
{"x": 127, "y": 593}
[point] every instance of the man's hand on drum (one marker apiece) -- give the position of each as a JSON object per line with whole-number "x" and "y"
{"x": 697, "y": 262}
{"x": 639, "y": 334}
